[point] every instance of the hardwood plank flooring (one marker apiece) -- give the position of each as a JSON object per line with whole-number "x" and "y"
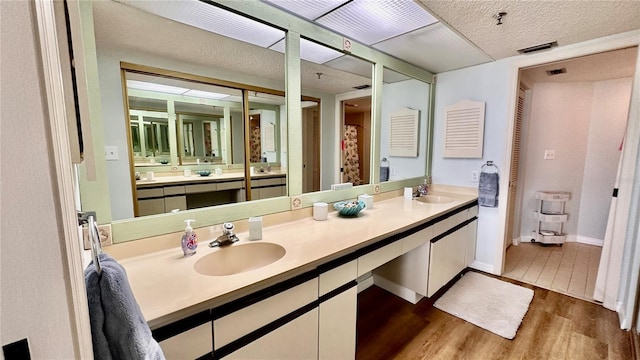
{"x": 556, "y": 326}
{"x": 569, "y": 269}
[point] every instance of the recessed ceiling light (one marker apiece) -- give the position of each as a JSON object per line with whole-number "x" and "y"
{"x": 205, "y": 94}
{"x": 167, "y": 89}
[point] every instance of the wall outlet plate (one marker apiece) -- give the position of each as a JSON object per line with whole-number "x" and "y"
{"x": 549, "y": 154}
{"x": 105, "y": 236}
{"x": 475, "y": 176}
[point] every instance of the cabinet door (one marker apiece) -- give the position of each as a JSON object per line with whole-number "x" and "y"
{"x": 150, "y": 206}
{"x": 337, "y": 324}
{"x": 297, "y": 339}
{"x": 175, "y": 202}
{"x": 446, "y": 260}
{"x": 190, "y": 344}
{"x": 470, "y": 246}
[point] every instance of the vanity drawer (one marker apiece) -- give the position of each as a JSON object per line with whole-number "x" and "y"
{"x": 150, "y": 193}
{"x": 337, "y": 277}
{"x": 190, "y": 344}
{"x": 231, "y": 185}
{"x": 378, "y": 257}
{"x": 268, "y": 182}
{"x": 417, "y": 239}
{"x": 249, "y": 318}
{"x": 174, "y": 190}
{"x": 473, "y": 211}
{"x": 200, "y": 188}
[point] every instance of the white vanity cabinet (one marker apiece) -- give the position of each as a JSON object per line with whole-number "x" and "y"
{"x": 338, "y": 299}
{"x": 272, "y": 324}
{"x": 191, "y": 344}
{"x": 189, "y": 338}
{"x": 432, "y": 256}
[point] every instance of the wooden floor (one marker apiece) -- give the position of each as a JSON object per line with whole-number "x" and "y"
{"x": 569, "y": 269}
{"x": 555, "y": 327}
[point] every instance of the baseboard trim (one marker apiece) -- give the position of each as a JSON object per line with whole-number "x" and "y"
{"x": 397, "y": 290}
{"x": 364, "y": 282}
{"x": 589, "y": 240}
{"x": 488, "y": 268}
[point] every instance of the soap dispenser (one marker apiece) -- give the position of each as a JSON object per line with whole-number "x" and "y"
{"x": 189, "y": 239}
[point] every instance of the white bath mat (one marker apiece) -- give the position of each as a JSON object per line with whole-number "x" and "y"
{"x": 486, "y": 302}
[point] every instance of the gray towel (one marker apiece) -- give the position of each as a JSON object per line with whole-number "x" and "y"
{"x": 121, "y": 331}
{"x": 488, "y": 189}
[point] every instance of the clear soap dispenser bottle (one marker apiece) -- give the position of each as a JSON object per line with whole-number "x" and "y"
{"x": 189, "y": 239}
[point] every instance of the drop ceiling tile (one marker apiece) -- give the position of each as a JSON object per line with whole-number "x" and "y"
{"x": 435, "y": 48}
{"x": 307, "y": 9}
{"x": 310, "y": 51}
{"x": 371, "y": 21}
{"x": 213, "y": 19}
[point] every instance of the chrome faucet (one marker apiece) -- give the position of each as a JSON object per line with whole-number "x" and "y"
{"x": 228, "y": 237}
{"x": 423, "y": 189}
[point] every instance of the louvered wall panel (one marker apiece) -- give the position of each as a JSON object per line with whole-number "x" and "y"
{"x": 403, "y": 133}
{"x": 464, "y": 129}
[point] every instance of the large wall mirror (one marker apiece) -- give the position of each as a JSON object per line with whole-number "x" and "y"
{"x": 230, "y": 114}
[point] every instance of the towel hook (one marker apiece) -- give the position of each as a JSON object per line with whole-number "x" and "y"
{"x": 94, "y": 241}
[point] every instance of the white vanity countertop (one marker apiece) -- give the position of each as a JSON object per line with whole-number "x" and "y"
{"x": 168, "y": 288}
{"x": 227, "y": 176}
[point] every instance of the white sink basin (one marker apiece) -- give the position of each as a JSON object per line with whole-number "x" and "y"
{"x": 235, "y": 259}
{"x": 435, "y": 199}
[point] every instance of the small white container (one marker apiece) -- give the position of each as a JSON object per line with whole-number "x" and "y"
{"x": 187, "y": 172}
{"x": 367, "y": 199}
{"x": 149, "y": 175}
{"x": 320, "y": 211}
{"x": 218, "y": 171}
{"x": 255, "y": 228}
{"x": 408, "y": 193}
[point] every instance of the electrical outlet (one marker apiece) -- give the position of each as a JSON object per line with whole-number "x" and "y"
{"x": 111, "y": 153}
{"x": 549, "y": 154}
{"x": 105, "y": 236}
{"x": 393, "y": 170}
{"x": 474, "y": 176}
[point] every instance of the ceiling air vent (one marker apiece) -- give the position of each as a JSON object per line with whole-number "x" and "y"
{"x": 362, "y": 87}
{"x": 557, "y": 71}
{"x": 538, "y": 47}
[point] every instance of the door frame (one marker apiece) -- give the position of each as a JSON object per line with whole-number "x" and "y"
{"x": 339, "y": 125}
{"x": 614, "y": 42}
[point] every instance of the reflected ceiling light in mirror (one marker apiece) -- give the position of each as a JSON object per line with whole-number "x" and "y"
{"x": 307, "y": 9}
{"x": 211, "y": 18}
{"x": 167, "y": 89}
{"x": 311, "y": 51}
{"x": 363, "y": 20}
{"x": 205, "y": 94}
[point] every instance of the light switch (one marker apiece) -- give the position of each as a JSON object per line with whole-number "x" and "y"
{"x": 111, "y": 153}
{"x": 474, "y": 176}
{"x": 549, "y": 154}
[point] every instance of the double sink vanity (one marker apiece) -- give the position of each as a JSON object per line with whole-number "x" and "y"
{"x": 293, "y": 294}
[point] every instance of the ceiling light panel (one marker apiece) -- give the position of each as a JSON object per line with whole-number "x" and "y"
{"x": 205, "y": 94}
{"x": 431, "y": 48}
{"x": 310, "y": 51}
{"x": 139, "y": 85}
{"x": 213, "y": 19}
{"x": 371, "y": 21}
{"x": 307, "y": 9}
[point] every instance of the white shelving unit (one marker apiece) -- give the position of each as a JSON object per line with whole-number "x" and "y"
{"x": 550, "y": 217}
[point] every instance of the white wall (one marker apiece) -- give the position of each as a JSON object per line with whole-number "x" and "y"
{"x": 35, "y": 304}
{"x": 413, "y": 94}
{"x": 489, "y": 83}
{"x": 559, "y": 120}
{"x": 584, "y": 122}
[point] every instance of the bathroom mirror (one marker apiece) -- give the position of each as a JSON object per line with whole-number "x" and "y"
{"x": 156, "y": 37}
{"x": 401, "y": 93}
{"x": 343, "y": 82}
